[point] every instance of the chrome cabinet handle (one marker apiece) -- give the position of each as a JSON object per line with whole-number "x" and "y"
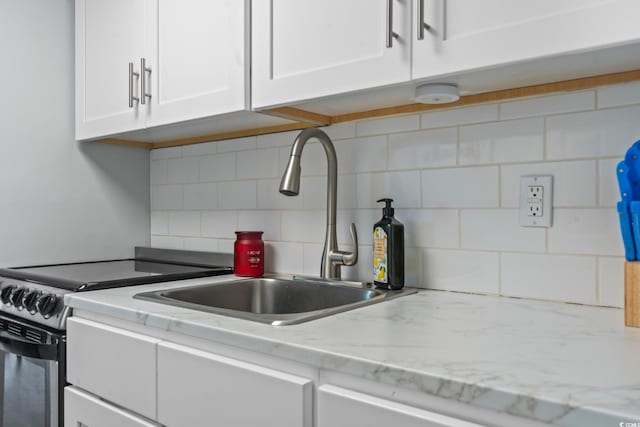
{"x": 143, "y": 81}
{"x": 390, "y": 34}
{"x": 132, "y": 74}
{"x": 421, "y": 24}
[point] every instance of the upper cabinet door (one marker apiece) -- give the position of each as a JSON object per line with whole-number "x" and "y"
{"x": 468, "y": 34}
{"x": 303, "y": 49}
{"x": 109, "y": 35}
{"x": 196, "y": 51}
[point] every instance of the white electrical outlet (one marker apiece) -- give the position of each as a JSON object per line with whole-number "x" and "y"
{"x": 536, "y": 201}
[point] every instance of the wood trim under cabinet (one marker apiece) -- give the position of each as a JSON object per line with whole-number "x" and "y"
{"x": 307, "y": 119}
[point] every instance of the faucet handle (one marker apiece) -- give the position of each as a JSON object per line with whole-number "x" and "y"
{"x": 352, "y": 258}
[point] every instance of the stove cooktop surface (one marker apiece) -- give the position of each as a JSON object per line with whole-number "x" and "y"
{"x": 109, "y": 274}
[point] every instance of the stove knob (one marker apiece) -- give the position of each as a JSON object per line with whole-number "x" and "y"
{"x": 16, "y": 297}
{"x": 29, "y": 301}
{"x": 5, "y": 294}
{"x": 47, "y": 305}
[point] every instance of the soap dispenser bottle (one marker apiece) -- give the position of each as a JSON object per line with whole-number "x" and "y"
{"x": 388, "y": 250}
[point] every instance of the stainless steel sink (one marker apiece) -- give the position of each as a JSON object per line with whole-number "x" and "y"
{"x": 273, "y": 300}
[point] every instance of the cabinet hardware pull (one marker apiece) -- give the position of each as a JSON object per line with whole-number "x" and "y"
{"x": 143, "y": 81}
{"x": 131, "y": 75}
{"x": 421, "y": 24}
{"x": 390, "y": 34}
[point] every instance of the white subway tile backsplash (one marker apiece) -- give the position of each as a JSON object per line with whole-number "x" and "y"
{"x": 159, "y": 222}
{"x": 219, "y": 224}
{"x": 427, "y": 228}
{"x": 166, "y": 153}
{"x": 585, "y": 231}
{"x": 182, "y": 170}
{"x": 608, "y": 189}
{"x": 237, "y": 195}
{"x": 592, "y": 134}
{"x": 280, "y": 139}
{"x": 502, "y": 142}
{"x": 611, "y": 281}
{"x": 226, "y": 246}
{"x": 238, "y": 144}
{"x": 425, "y": 149}
{"x": 167, "y": 242}
{"x": 550, "y": 277}
{"x": 200, "y": 244}
{"x": 283, "y": 257}
{"x": 201, "y": 149}
{"x": 257, "y": 164}
{"x": 402, "y": 187}
{"x": 361, "y": 155}
{"x": 574, "y": 182}
{"x": 460, "y": 116}
{"x": 618, "y": 95}
{"x": 184, "y": 223}
{"x": 462, "y": 271}
{"x": 563, "y": 103}
{"x": 460, "y": 188}
{"x": 158, "y": 169}
{"x": 269, "y": 196}
{"x": 455, "y": 186}
{"x": 165, "y": 197}
{"x": 219, "y": 167}
{"x": 203, "y": 196}
{"x": 497, "y": 230}
{"x": 387, "y": 125}
{"x": 340, "y": 130}
{"x": 313, "y": 192}
{"x": 303, "y": 226}
{"x": 266, "y": 221}
{"x": 311, "y": 259}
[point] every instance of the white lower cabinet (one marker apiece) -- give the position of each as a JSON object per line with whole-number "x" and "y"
{"x": 339, "y": 407}
{"x": 113, "y": 363}
{"x": 197, "y": 388}
{"x": 84, "y": 410}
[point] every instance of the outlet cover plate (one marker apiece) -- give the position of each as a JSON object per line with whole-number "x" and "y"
{"x": 544, "y": 203}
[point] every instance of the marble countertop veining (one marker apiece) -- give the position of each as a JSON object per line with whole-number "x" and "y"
{"x": 566, "y": 364}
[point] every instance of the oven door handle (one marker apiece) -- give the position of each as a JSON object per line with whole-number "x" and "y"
{"x": 28, "y": 349}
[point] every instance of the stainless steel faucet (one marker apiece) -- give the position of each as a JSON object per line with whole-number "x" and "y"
{"x": 332, "y": 258}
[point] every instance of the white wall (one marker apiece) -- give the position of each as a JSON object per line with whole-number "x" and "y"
{"x": 60, "y": 200}
{"x": 455, "y": 177}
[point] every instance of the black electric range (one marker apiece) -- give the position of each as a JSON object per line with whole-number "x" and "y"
{"x": 36, "y": 293}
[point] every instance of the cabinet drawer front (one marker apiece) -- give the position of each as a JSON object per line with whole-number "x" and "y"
{"x": 197, "y": 388}
{"x": 82, "y": 409}
{"x": 113, "y": 363}
{"x": 339, "y": 407}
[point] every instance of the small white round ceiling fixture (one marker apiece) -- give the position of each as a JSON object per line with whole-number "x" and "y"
{"x": 437, "y": 93}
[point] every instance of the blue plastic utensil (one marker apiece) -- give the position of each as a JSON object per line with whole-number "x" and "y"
{"x": 628, "y": 229}
{"x": 622, "y": 171}
{"x": 632, "y": 161}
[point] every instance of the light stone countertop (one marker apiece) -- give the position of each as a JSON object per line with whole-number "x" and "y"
{"x": 566, "y": 364}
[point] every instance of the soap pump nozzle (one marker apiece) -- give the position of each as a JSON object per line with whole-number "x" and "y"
{"x": 387, "y": 211}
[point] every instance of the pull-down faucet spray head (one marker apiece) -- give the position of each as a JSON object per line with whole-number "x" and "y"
{"x": 290, "y": 183}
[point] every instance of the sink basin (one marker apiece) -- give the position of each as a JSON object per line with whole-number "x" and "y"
{"x": 271, "y": 300}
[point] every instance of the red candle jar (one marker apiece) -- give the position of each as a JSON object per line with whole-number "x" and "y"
{"x": 248, "y": 253}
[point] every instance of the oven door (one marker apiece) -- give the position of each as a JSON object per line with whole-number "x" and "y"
{"x": 30, "y": 375}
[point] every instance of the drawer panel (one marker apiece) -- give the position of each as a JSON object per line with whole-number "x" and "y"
{"x": 113, "y": 363}
{"x": 82, "y": 409}
{"x": 196, "y": 388}
{"x": 339, "y": 407}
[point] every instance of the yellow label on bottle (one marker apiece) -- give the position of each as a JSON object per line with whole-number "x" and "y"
{"x": 380, "y": 268}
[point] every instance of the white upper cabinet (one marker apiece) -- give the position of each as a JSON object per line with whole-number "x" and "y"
{"x": 194, "y": 54}
{"x": 468, "y": 34}
{"x": 109, "y": 35}
{"x": 304, "y": 49}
